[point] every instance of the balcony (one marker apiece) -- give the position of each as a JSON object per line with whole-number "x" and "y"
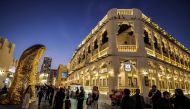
{"x": 125, "y": 11}
{"x": 167, "y": 59}
{"x": 178, "y": 64}
{"x": 159, "y": 56}
{"x": 99, "y": 54}
{"x": 103, "y": 52}
{"x": 150, "y": 52}
{"x": 127, "y": 48}
{"x": 94, "y": 57}
{"x": 173, "y": 62}
{"x": 105, "y": 45}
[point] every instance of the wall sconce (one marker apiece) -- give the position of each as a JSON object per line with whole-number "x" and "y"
{"x": 119, "y": 75}
{"x": 145, "y": 72}
{"x": 175, "y": 78}
{"x": 111, "y": 72}
{"x": 168, "y": 77}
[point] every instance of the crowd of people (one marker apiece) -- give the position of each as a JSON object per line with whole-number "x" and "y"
{"x": 120, "y": 99}
{"x": 58, "y": 97}
{"x": 177, "y": 101}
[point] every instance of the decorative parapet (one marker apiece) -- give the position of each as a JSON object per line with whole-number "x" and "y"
{"x": 127, "y": 48}
{"x": 124, "y": 11}
{"x": 170, "y": 37}
{"x": 101, "y": 23}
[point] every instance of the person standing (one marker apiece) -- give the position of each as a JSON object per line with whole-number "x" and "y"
{"x": 27, "y": 95}
{"x": 77, "y": 92}
{"x": 127, "y": 102}
{"x": 95, "y": 97}
{"x": 165, "y": 102}
{"x": 155, "y": 95}
{"x": 89, "y": 101}
{"x": 180, "y": 101}
{"x": 139, "y": 100}
{"x": 67, "y": 103}
{"x": 51, "y": 96}
{"x": 40, "y": 96}
{"x": 59, "y": 97}
{"x": 48, "y": 90}
{"x": 80, "y": 98}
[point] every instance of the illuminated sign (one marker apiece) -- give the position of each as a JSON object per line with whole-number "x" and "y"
{"x": 127, "y": 67}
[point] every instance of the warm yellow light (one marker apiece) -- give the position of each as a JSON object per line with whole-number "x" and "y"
{"x": 168, "y": 77}
{"x": 145, "y": 72}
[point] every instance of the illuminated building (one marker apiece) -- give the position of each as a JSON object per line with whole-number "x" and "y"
{"x": 53, "y": 76}
{"x": 60, "y": 80}
{"x": 45, "y": 71}
{"x": 7, "y": 61}
{"x": 126, "y": 49}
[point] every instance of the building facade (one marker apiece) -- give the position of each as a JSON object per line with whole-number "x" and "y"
{"x": 128, "y": 50}
{"x": 53, "y": 76}
{"x": 7, "y": 61}
{"x": 44, "y": 76}
{"x": 60, "y": 79}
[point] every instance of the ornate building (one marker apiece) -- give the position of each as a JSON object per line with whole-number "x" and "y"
{"x": 7, "y": 61}
{"x": 44, "y": 76}
{"x": 128, "y": 50}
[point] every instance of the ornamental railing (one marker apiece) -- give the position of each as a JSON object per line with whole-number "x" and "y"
{"x": 94, "y": 57}
{"x": 150, "y": 52}
{"x": 173, "y": 62}
{"x": 103, "y": 52}
{"x": 100, "y": 54}
{"x": 167, "y": 59}
{"x": 159, "y": 56}
{"x": 127, "y": 48}
{"x": 125, "y": 11}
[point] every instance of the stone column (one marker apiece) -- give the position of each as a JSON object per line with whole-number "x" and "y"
{"x": 141, "y": 60}
{"x": 112, "y": 29}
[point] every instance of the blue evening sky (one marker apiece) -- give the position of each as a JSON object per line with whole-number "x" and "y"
{"x": 62, "y": 24}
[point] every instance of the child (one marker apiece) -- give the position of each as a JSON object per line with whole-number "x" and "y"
{"x": 89, "y": 101}
{"x": 67, "y": 103}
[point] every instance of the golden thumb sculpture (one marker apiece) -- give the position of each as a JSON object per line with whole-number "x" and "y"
{"x": 25, "y": 75}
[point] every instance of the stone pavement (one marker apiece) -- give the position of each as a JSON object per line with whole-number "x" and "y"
{"x": 45, "y": 105}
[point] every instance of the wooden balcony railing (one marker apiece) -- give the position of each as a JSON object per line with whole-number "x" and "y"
{"x": 127, "y": 48}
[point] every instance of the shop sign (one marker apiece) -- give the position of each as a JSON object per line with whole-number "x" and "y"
{"x": 127, "y": 67}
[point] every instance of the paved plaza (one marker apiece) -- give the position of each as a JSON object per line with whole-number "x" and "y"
{"x": 45, "y": 105}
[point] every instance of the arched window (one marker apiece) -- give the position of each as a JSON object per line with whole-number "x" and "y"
{"x": 104, "y": 38}
{"x": 95, "y": 44}
{"x": 156, "y": 43}
{"x": 182, "y": 62}
{"x": 164, "y": 48}
{"x": 146, "y": 38}
{"x": 123, "y": 27}
{"x": 89, "y": 49}
{"x": 177, "y": 58}
{"x": 83, "y": 56}
{"x": 79, "y": 60}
